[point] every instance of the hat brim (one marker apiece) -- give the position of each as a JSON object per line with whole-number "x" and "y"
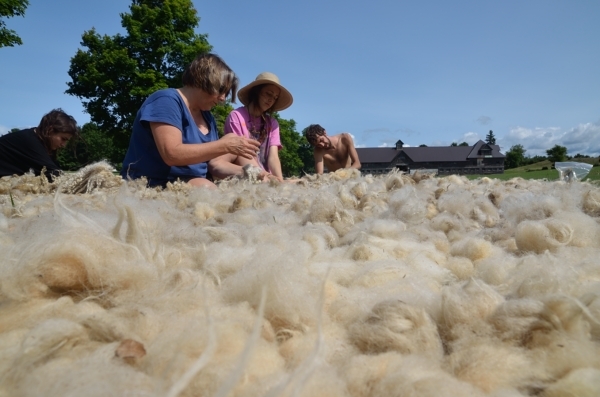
{"x": 284, "y": 101}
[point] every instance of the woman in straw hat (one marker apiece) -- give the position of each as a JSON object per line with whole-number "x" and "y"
{"x": 254, "y": 120}
{"x": 174, "y": 133}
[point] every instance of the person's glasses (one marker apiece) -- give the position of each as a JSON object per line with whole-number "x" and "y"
{"x": 223, "y": 90}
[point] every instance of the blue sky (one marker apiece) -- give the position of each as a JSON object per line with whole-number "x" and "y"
{"x": 427, "y": 72}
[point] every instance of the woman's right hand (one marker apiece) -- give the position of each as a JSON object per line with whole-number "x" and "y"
{"x": 240, "y": 146}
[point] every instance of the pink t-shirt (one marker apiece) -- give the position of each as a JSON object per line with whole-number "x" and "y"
{"x": 237, "y": 123}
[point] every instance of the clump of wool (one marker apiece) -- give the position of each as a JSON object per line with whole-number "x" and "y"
{"x": 492, "y": 366}
{"x": 180, "y": 273}
{"x": 582, "y": 382}
{"x": 591, "y": 202}
{"x": 396, "y": 326}
{"x": 408, "y": 204}
{"x": 287, "y": 305}
{"x": 391, "y": 374}
{"x": 466, "y": 307}
{"x": 540, "y": 236}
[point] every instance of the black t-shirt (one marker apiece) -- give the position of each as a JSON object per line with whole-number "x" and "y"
{"x": 22, "y": 151}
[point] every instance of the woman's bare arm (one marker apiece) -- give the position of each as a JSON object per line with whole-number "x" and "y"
{"x": 176, "y": 153}
{"x": 275, "y": 163}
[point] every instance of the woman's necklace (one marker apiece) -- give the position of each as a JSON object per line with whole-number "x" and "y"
{"x": 256, "y": 128}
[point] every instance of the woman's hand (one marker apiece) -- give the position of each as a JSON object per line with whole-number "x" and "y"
{"x": 266, "y": 176}
{"x": 240, "y": 146}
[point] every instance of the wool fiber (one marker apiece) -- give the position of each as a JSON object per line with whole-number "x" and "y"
{"x": 342, "y": 284}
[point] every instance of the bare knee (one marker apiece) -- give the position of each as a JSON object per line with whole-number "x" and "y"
{"x": 202, "y": 182}
{"x": 223, "y": 166}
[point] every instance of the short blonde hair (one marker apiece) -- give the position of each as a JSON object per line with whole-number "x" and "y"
{"x": 212, "y": 75}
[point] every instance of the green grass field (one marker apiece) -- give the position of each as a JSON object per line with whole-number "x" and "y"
{"x": 535, "y": 171}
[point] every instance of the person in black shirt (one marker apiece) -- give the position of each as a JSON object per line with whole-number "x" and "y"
{"x": 36, "y": 148}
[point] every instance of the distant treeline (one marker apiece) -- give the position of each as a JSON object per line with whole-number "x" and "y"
{"x": 515, "y": 156}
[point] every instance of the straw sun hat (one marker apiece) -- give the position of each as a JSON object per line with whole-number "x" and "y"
{"x": 285, "y": 98}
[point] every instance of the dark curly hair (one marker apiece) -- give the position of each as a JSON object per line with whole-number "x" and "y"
{"x": 55, "y": 122}
{"x": 312, "y": 132}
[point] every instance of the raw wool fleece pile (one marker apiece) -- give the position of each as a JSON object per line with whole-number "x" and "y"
{"x": 339, "y": 285}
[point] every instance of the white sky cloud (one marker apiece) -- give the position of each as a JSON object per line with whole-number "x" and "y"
{"x": 470, "y": 137}
{"x": 3, "y": 130}
{"x": 584, "y": 139}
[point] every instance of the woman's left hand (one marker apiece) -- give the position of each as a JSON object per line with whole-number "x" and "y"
{"x": 240, "y": 146}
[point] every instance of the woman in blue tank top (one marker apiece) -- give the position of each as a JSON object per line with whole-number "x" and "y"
{"x": 175, "y": 134}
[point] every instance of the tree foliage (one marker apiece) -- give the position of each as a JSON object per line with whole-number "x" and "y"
{"x": 515, "y": 157}
{"x": 221, "y": 112}
{"x": 307, "y": 155}
{"x": 9, "y": 9}
{"x": 490, "y": 139}
{"x": 93, "y": 146}
{"x": 464, "y": 144}
{"x": 289, "y": 156}
{"x": 533, "y": 160}
{"x": 114, "y": 75}
{"x": 557, "y": 153}
{"x": 581, "y": 156}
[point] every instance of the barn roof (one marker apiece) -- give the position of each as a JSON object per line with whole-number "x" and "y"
{"x": 426, "y": 154}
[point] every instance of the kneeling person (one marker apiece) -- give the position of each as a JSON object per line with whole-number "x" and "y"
{"x": 255, "y": 120}
{"x": 333, "y": 152}
{"x": 37, "y": 148}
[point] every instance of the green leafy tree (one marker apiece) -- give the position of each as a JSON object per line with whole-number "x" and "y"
{"x": 422, "y": 145}
{"x": 114, "y": 75}
{"x": 15, "y": 130}
{"x": 306, "y": 154}
{"x": 581, "y": 156}
{"x": 291, "y": 162}
{"x": 453, "y": 144}
{"x": 93, "y": 146}
{"x": 221, "y": 112}
{"x": 515, "y": 157}
{"x": 464, "y": 144}
{"x": 557, "y": 153}
{"x": 490, "y": 139}
{"x": 533, "y": 160}
{"x": 9, "y": 9}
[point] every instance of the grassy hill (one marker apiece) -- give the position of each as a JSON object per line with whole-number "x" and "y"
{"x": 537, "y": 171}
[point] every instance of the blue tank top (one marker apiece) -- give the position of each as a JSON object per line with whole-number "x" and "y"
{"x": 143, "y": 158}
